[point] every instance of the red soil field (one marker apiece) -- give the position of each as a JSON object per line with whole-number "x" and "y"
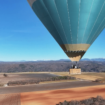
{"x": 10, "y": 99}
{"x": 53, "y": 97}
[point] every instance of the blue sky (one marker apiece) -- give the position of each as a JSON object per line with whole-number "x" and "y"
{"x": 24, "y": 37}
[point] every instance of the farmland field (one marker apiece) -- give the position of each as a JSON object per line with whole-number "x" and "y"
{"x": 84, "y": 75}
{"x": 23, "y": 76}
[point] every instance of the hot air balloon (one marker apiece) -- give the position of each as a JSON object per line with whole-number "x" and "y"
{"x": 74, "y": 24}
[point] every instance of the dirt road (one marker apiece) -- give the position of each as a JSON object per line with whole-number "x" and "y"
{"x": 44, "y": 87}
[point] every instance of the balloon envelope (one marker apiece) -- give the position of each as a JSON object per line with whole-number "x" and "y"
{"x": 74, "y": 24}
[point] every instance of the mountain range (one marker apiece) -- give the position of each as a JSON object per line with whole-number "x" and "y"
{"x": 67, "y": 60}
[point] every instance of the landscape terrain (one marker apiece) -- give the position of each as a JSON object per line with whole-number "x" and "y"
{"x": 56, "y": 87}
{"x": 50, "y": 92}
{"x": 51, "y": 66}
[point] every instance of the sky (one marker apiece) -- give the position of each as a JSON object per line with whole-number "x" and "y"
{"x": 24, "y": 37}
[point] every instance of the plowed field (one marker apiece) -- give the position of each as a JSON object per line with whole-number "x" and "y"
{"x": 52, "y": 97}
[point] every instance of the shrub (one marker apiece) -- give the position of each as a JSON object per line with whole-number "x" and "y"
{"x": 5, "y": 75}
{"x": 91, "y": 101}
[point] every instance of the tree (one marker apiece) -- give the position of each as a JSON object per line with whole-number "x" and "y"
{"x": 5, "y": 75}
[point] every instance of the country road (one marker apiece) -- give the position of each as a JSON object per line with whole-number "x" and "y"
{"x": 49, "y": 86}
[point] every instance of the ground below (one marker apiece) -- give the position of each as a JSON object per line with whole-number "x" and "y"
{"x": 52, "y": 97}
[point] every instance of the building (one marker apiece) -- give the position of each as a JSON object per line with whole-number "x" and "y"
{"x": 75, "y": 71}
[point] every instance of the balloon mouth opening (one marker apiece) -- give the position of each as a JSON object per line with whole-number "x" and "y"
{"x": 75, "y": 55}
{"x": 81, "y": 51}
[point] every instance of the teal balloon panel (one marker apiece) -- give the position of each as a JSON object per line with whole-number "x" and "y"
{"x": 72, "y": 21}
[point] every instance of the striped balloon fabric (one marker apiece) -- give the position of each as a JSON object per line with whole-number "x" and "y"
{"x": 74, "y": 24}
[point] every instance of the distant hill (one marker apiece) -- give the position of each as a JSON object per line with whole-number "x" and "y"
{"x": 94, "y": 59}
{"x": 53, "y": 66}
{"x": 66, "y": 60}
{"x": 86, "y": 59}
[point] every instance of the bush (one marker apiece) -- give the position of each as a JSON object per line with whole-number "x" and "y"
{"x": 58, "y": 78}
{"x": 13, "y": 83}
{"x": 5, "y": 75}
{"x": 91, "y": 101}
{"x": 100, "y": 80}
